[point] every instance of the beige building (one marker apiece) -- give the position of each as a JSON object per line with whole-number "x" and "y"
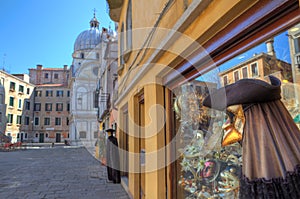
{"x": 259, "y": 66}
{"x": 50, "y": 110}
{"x": 163, "y": 45}
{"x": 18, "y": 98}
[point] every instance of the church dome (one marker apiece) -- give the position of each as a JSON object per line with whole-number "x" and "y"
{"x": 89, "y": 39}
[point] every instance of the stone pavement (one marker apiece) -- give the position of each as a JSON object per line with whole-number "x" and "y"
{"x": 55, "y": 173}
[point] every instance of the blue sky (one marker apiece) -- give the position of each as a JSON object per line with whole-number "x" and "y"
{"x": 44, "y": 31}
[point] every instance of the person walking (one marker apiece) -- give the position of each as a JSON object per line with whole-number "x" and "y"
{"x": 112, "y": 157}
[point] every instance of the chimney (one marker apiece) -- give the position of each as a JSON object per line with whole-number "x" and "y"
{"x": 65, "y": 67}
{"x": 39, "y": 67}
{"x": 270, "y": 47}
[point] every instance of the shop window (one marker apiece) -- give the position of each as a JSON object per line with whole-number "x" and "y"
{"x": 82, "y": 134}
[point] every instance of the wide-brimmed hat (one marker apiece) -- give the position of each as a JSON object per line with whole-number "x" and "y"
{"x": 244, "y": 91}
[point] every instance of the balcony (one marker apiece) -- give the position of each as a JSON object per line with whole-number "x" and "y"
{"x": 104, "y": 104}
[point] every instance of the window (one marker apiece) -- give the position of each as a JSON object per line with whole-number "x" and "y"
{"x": 97, "y": 56}
{"x": 67, "y": 121}
{"x": 27, "y": 105}
{"x": 57, "y": 121}
{"x": 68, "y": 93}
{"x": 37, "y": 107}
{"x": 245, "y": 72}
{"x": 38, "y": 93}
{"x": 11, "y": 101}
{"x": 36, "y": 135}
{"x": 129, "y": 26}
{"x": 96, "y": 99}
{"x": 47, "y": 135}
{"x": 46, "y": 75}
{"x": 254, "y": 70}
{"x": 68, "y": 107}
{"x": 59, "y": 93}
{"x": 36, "y": 121}
{"x": 59, "y": 106}
{"x": 26, "y": 120}
{"x": 96, "y": 134}
{"x": 28, "y": 91}
{"x": 25, "y": 135}
{"x": 20, "y": 104}
{"x": 12, "y": 86}
{"x": 236, "y": 75}
{"x": 122, "y": 46}
{"x": 46, "y": 121}
{"x": 0, "y": 117}
{"x": 10, "y": 118}
{"x": 55, "y": 76}
{"x": 49, "y": 93}
{"x": 48, "y": 107}
{"x": 225, "y": 80}
{"x": 21, "y": 88}
{"x": 2, "y": 99}
{"x": 82, "y": 134}
{"x": 82, "y": 55}
{"x": 297, "y": 44}
{"x": 19, "y": 119}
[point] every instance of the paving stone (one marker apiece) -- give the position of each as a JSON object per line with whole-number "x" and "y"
{"x": 58, "y": 173}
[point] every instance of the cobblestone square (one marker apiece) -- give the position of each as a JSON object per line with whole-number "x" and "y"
{"x": 55, "y": 173}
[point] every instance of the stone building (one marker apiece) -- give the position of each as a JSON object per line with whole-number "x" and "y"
{"x": 259, "y": 66}
{"x": 51, "y": 104}
{"x": 18, "y": 99}
{"x": 89, "y": 51}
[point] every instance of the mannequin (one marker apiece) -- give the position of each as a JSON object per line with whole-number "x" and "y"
{"x": 270, "y": 138}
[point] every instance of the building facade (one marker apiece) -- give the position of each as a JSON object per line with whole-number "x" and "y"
{"x": 3, "y": 138}
{"x": 88, "y": 59}
{"x": 186, "y": 41}
{"x": 18, "y": 96}
{"x": 51, "y": 105}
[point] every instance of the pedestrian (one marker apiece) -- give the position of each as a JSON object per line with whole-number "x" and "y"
{"x": 270, "y": 138}
{"x": 112, "y": 157}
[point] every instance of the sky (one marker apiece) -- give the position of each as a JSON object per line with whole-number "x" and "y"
{"x": 44, "y": 31}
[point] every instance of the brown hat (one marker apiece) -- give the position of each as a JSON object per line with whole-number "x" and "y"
{"x": 244, "y": 91}
{"x": 110, "y": 130}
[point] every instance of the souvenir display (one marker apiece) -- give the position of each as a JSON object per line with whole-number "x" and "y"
{"x": 209, "y": 170}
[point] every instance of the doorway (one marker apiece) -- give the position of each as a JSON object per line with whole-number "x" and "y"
{"x": 41, "y": 138}
{"x": 58, "y": 137}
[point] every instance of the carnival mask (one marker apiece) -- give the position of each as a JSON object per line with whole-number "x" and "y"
{"x": 234, "y": 125}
